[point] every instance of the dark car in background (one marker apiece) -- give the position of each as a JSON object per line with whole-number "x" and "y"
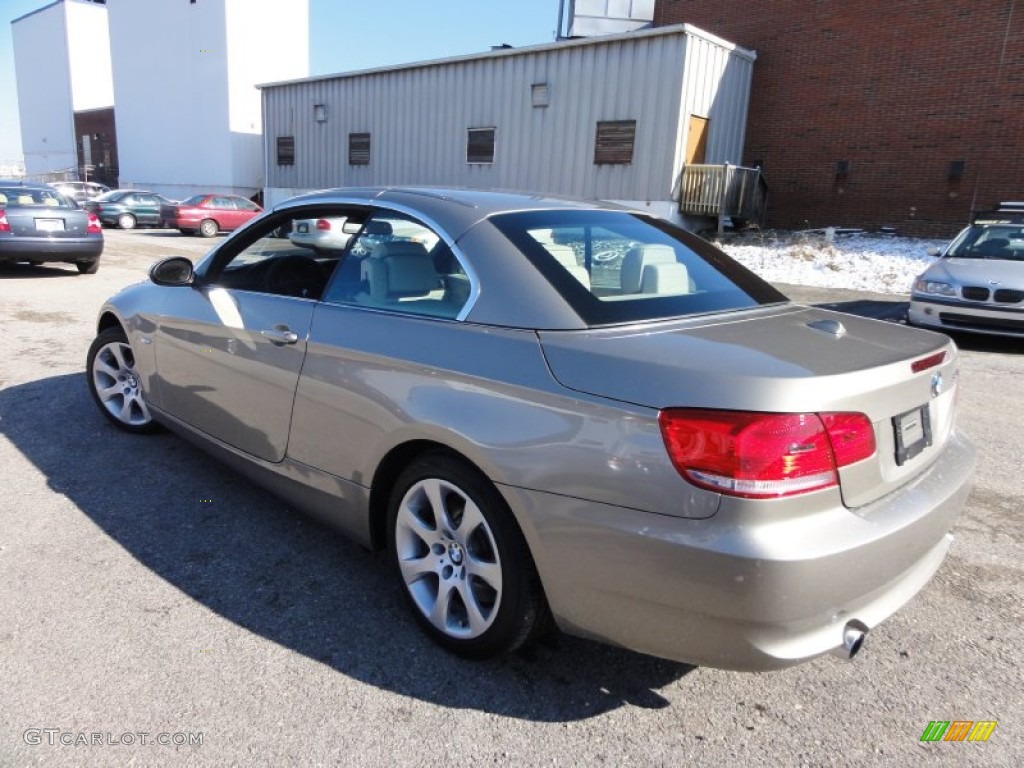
{"x": 38, "y": 224}
{"x": 129, "y": 208}
{"x": 210, "y": 214}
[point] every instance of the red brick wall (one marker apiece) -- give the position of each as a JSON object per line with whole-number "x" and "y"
{"x": 899, "y": 88}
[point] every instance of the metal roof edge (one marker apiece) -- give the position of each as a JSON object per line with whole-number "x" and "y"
{"x": 60, "y": 2}
{"x": 37, "y": 11}
{"x": 739, "y": 50}
{"x": 674, "y": 29}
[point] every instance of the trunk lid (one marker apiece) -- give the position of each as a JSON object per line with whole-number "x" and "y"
{"x": 47, "y": 221}
{"x": 780, "y": 359}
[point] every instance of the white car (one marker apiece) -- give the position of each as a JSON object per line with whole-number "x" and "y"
{"x": 322, "y": 234}
{"x": 977, "y": 284}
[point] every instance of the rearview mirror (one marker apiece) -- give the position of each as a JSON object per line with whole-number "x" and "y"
{"x": 174, "y": 271}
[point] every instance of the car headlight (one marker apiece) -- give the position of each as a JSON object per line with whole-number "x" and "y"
{"x": 934, "y": 286}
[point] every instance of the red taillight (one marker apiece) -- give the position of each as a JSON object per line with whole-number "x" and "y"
{"x": 764, "y": 455}
{"x": 4, "y": 225}
{"x": 94, "y": 226}
{"x": 323, "y": 224}
{"x": 927, "y": 362}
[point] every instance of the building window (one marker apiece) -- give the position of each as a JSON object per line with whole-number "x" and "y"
{"x": 359, "y": 149}
{"x": 286, "y": 150}
{"x": 480, "y": 146}
{"x": 320, "y": 113}
{"x": 614, "y": 142}
{"x": 539, "y": 95}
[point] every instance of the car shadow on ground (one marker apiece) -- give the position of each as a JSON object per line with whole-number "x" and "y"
{"x": 896, "y": 312}
{"x": 175, "y": 234}
{"x": 244, "y": 555}
{"x": 25, "y": 271}
{"x": 892, "y": 311}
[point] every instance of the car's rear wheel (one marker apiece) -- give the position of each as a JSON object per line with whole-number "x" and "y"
{"x": 115, "y": 384}
{"x": 126, "y": 221}
{"x": 88, "y": 267}
{"x": 208, "y": 228}
{"x": 461, "y": 559}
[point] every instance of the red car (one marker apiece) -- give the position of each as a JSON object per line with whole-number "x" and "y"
{"x": 210, "y": 214}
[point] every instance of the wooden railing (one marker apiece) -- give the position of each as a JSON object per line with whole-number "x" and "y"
{"x": 724, "y": 191}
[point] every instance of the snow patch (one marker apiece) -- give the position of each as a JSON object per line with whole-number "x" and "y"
{"x": 876, "y": 263}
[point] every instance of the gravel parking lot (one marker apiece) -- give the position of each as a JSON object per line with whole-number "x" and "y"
{"x": 151, "y": 599}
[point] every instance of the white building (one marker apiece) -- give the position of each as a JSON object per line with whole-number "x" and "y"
{"x": 188, "y": 111}
{"x": 615, "y": 117}
{"x": 587, "y": 18}
{"x": 62, "y": 65}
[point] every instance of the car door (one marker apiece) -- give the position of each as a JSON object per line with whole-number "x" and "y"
{"x": 229, "y": 348}
{"x": 224, "y": 212}
{"x": 147, "y": 209}
{"x": 388, "y": 315}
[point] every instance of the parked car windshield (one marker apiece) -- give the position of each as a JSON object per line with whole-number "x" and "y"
{"x": 615, "y": 266}
{"x": 989, "y": 242}
{"x": 29, "y": 197}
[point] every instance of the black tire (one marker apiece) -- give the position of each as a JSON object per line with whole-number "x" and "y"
{"x": 519, "y": 611}
{"x": 208, "y": 228}
{"x": 88, "y": 267}
{"x": 103, "y": 369}
{"x": 126, "y": 221}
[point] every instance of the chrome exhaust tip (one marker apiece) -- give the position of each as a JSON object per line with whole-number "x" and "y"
{"x": 853, "y": 639}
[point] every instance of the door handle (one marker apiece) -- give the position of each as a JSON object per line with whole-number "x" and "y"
{"x": 280, "y": 335}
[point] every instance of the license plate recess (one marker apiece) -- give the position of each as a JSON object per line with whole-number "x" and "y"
{"x": 913, "y": 431}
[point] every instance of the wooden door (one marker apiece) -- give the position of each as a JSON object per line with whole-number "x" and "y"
{"x": 697, "y": 140}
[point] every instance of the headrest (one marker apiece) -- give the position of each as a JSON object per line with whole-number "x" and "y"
{"x": 636, "y": 258}
{"x": 664, "y": 278}
{"x": 377, "y": 227}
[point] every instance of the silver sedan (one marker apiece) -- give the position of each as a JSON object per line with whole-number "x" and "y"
{"x": 977, "y": 284}
{"x": 659, "y": 451}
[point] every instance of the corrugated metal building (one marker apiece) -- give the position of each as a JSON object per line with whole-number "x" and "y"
{"x": 612, "y": 118}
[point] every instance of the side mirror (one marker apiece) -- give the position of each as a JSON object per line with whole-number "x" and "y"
{"x": 172, "y": 272}
{"x": 933, "y": 251}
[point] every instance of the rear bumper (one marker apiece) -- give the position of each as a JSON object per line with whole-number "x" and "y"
{"x": 50, "y": 249}
{"x": 966, "y": 316}
{"x": 751, "y": 595}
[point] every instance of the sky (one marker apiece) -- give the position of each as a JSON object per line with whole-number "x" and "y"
{"x": 348, "y": 35}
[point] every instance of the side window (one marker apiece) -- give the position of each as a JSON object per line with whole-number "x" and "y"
{"x": 224, "y": 203}
{"x": 285, "y": 256}
{"x": 397, "y": 263}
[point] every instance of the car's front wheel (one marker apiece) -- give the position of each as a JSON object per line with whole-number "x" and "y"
{"x": 461, "y": 559}
{"x": 115, "y": 384}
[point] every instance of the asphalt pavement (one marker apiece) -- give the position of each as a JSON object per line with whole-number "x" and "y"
{"x": 158, "y": 609}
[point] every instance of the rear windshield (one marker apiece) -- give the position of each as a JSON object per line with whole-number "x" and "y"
{"x": 1004, "y": 241}
{"x": 11, "y": 197}
{"x": 616, "y": 267}
{"x": 195, "y": 200}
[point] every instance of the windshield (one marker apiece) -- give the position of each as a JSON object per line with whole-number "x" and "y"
{"x": 31, "y": 198}
{"x": 615, "y": 266}
{"x": 1004, "y": 241}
